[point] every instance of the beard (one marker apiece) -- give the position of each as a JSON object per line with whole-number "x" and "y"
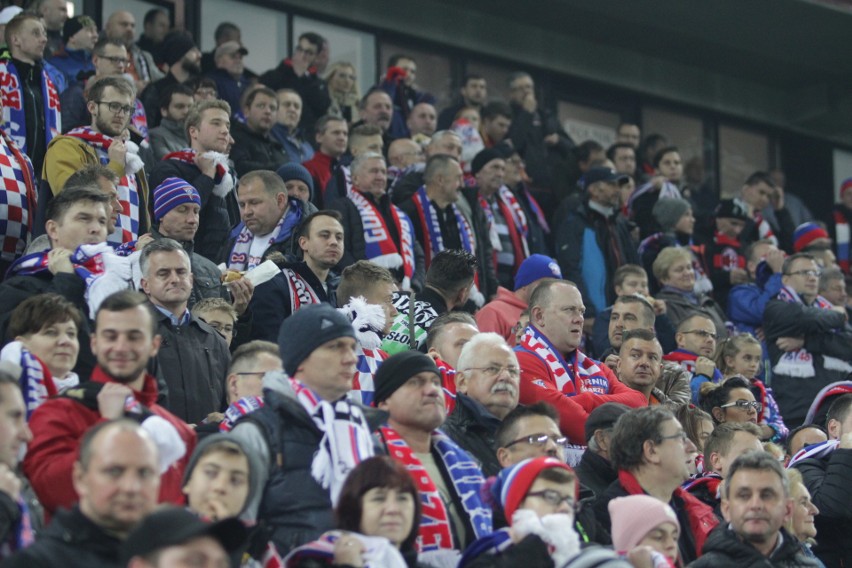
{"x": 191, "y": 67}
{"x": 108, "y": 128}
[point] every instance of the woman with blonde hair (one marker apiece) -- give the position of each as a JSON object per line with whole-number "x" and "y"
{"x": 801, "y": 522}
{"x": 342, "y": 81}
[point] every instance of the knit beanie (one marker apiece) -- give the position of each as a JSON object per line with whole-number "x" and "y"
{"x": 668, "y": 211}
{"x": 253, "y": 462}
{"x": 171, "y": 193}
{"x": 292, "y": 170}
{"x": 635, "y": 516}
{"x": 485, "y": 156}
{"x": 805, "y": 234}
{"x": 306, "y": 330}
{"x": 536, "y": 267}
{"x": 175, "y": 46}
{"x": 514, "y": 482}
{"x": 74, "y": 25}
{"x": 397, "y": 369}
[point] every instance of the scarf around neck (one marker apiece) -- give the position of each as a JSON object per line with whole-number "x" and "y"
{"x": 36, "y": 381}
{"x": 223, "y": 181}
{"x": 14, "y": 122}
{"x": 240, "y": 257}
{"x": 580, "y": 374}
{"x": 433, "y": 240}
{"x": 19, "y": 191}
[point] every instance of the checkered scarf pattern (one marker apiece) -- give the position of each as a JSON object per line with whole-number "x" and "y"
{"x": 17, "y": 199}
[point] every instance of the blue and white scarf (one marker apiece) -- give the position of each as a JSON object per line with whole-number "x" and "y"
{"x": 240, "y": 257}
{"x": 433, "y": 239}
{"x": 12, "y": 100}
{"x": 815, "y": 451}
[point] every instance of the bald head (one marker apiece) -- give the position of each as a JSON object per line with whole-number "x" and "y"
{"x": 405, "y": 152}
{"x": 121, "y": 27}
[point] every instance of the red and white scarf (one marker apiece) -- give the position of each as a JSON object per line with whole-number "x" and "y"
{"x": 301, "y": 293}
{"x": 127, "y": 227}
{"x": 380, "y": 247}
{"x": 843, "y": 236}
{"x": 223, "y": 181}
{"x": 581, "y": 374}
{"x": 19, "y": 199}
{"x": 519, "y": 230}
{"x": 346, "y": 440}
{"x": 800, "y": 363}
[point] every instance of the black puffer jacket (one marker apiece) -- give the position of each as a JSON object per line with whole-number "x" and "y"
{"x": 724, "y": 548}
{"x": 473, "y": 428}
{"x": 254, "y": 151}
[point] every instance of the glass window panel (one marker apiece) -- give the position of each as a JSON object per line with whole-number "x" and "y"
{"x": 434, "y": 74}
{"x": 583, "y": 123}
{"x": 264, "y": 31}
{"x": 741, "y": 153}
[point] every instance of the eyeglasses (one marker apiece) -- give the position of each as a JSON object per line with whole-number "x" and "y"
{"x": 117, "y": 60}
{"x": 494, "y": 371}
{"x": 250, "y": 373}
{"x": 814, "y": 273}
{"x": 540, "y": 440}
{"x": 745, "y": 405}
{"x": 117, "y": 108}
{"x": 553, "y": 497}
{"x": 702, "y": 333}
{"x": 682, "y": 436}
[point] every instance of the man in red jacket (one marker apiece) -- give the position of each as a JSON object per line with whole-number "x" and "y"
{"x": 123, "y": 342}
{"x": 555, "y": 371}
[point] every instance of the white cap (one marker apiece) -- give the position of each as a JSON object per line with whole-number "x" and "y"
{"x": 9, "y": 12}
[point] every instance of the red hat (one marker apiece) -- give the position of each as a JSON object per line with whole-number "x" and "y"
{"x": 845, "y": 186}
{"x": 805, "y": 234}
{"x": 514, "y": 482}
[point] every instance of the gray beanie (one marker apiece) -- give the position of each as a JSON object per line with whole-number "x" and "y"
{"x": 306, "y": 330}
{"x": 253, "y": 463}
{"x": 668, "y": 211}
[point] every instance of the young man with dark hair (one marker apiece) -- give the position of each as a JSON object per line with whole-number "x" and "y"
{"x": 332, "y": 139}
{"x": 472, "y": 93}
{"x": 184, "y": 62}
{"x": 496, "y": 119}
{"x": 400, "y": 83}
{"x": 254, "y": 148}
{"x": 623, "y": 157}
{"x": 170, "y": 135}
{"x": 155, "y": 27}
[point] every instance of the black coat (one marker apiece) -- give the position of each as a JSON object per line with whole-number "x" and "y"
{"x": 595, "y": 472}
{"x": 254, "y": 151}
{"x": 71, "y": 540}
{"x": 829, "y": 480}
{"x": 724, "y": 548}
{"x": 312, "y": 89}
{"x": 473, "y": 428}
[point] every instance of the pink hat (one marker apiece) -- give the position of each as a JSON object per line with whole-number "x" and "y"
{"x": 635, "y": 516}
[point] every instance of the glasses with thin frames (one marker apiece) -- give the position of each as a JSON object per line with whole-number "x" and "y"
{"x": 540, "y": 440}
{"x": 493, "y": 370}
{"x": 554, "y": 498}
{"x": 744, "y": 405}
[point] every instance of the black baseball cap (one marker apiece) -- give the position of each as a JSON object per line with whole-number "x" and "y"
{"x": 609, "y": 175}
{"x": 604, "y": 417}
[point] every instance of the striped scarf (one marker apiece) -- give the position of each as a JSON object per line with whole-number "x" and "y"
{"x": 816, "y": 451}
{"x": 223, "y": 181}
{"x": 467, "y": 481}
{"x": 17, "y": 199}
{"x": 378, "y": 552}
{"x": 301, "y": 293}
{"x": 516, "y": 222}
{"x": 800, "y": 363}
{"x": 36, "y": 381}
{"x": 668, "y": 191}
{"x": 240, "y": 257}
{"x": 580, "y": 374}
{"x": 380, "y": 246}
{"x": 842, "y": 236}
{"x": 238, "y": 409}
{"x": 14, "y": 121}
{"x": 127, "y": 227}
{"x": 346, "y": 440}
{"x": 433, "y": 241}
{"x": 363, "y": 385}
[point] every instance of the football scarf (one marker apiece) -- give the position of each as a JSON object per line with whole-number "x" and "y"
{"x": 241, "y": 258}
{"x": 301, "y": 293}
{"x": 36, "y": 381}
{"x": 378, "y": 552}
{"x": 223, "y": 181}
{"x": 380, "y": 247}
{"x": 816, "y": 451}
{"x": 433, "y": 241}
{"x": 238, "y": 409}
{"x": 467, "y": 480}
{"x": 127, "y": 227}
{"x": 800, "y": 363}
{"x": 17, "y": 199}
{"x": 368, "y": 321}
{"x": 668, "y": 191}
{"x": 14, "y": 121}
{"x": 842, "y": 220}
{"x": 581, "y": 374}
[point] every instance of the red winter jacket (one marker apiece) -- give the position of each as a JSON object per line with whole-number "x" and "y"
{"x": 58, "y": 426}
{"x": 501, "y": 314}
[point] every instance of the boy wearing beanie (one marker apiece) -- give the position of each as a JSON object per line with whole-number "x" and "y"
{"x": 639, "y": 520}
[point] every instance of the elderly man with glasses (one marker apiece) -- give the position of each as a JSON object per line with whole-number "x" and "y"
{"x": 696, "y": 345}
{"x": 807, "y": 339}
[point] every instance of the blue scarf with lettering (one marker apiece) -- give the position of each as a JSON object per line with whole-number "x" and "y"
{"x": 14, "y": 121}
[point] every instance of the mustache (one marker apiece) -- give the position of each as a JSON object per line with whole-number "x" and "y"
{"x": 503, "y": 386}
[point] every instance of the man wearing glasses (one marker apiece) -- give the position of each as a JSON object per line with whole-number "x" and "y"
{"x": 487, "y": 391}
{"x": 651, "y": 453}
{"x": 807, "y": 338}
{"x": 696, "y": 345}
{"x": 111, "y": 102}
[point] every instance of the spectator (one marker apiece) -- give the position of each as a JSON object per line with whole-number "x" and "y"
{"x": 696, "y": 345}
{"x": 155, "y": 26}
{"x": 839, "y": 228}
{"x": 286, "y": 128}
{"x": 105, "y": 141}
{"x": 594, "y": 241}
{"x": 298, "y": 73}
{"x": 802, "y": 523}
{"x": 408, "y": 387}
{"x": 517, "y": 181}
{"x": 204, "y": 166}
{"x": 623, "y": 157}
{"x": 628, "y": 133}
{"x": 270, "y": 221}
{"x": 376, "y": 109}
{"x": 249, "y": 364}
{"x": 53, "y": 14}
{"x": 673, "y": 268}
{"x": 639, "y": 365}
{"x": 529, "y": 432}
{"x": 19, "y": 194}
{"x": 726, "y": 443}
{"x": 802, "y": 437}
{"x": 443, "y": 142}
{"x": 94, "y": 176}
{"x": 445, "y": 339}
{"x": 119, "y": 386}
{"x": 301, "y": 283}
{"x": 730, "y": 401}
{"x": 45, "y": 330}
{"x": 588, "y": 154}
{"x": 698, "y": 426}
{"x": 229, "y": 74}
{"x": 300, "y": 415}
{"x": 184, "y": 60}
{"x": 298, "y": 182}
{"x": 487, "y": 392}
{"x": 34, "y": 122}
{"x": 448, "y": 286}
{"x": 400, "y": 83}
{"x": 170, "y": 136}
{"x": 342, "y": 81}
{"x": 403, "y": 153}
{"x": 724, "y": 257}
{"x": 466, "y": 125}
{"x": 756, "y": 485}
{"x": 421, "y": 122}
{"x": 379, "y": 499}
{"x": 554, "y": 370}
{"x": 832, "y": 287}
{"x": 473, "y": 93}
{"x": 193, "y": 359}
{"x": 819, "y": 346}
{"x": 332, "y": 136}
{"x": 595, "y": 470}
{"x": 645, "y": 153}
{"x": 91, "y": 531}
{"x": 501, "y": 315}
{"x": 747, "y": 302}
{"x": 16, "y": 520}
{"x": 75, "y": 219}
{"x": 377, "y": 230}
{"x": 74, "y": 60}
{"x": 665, "y": 184}
{"x": 649, "y": 451}
{"x": 224, "y": 32}
{"x": 644, "y": 521}
{"x": 218, "y": 314}
{"x": 121, "y": 27}
{"x": 496, "y": 120}
{"x": 756, "y": 194}
{"x": 254, "y": 148}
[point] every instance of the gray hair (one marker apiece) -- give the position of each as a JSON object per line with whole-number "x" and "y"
{"x": 756, "y": 461}
{"x": 361, "y": 159}
{"x": 160, "y": 245}
{"x": 469, "y": 356}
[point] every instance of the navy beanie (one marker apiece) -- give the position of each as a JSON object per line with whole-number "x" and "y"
{"x": 306, "y": 330}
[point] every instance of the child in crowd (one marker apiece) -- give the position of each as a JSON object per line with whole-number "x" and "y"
{"x": 642, "y": 520}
